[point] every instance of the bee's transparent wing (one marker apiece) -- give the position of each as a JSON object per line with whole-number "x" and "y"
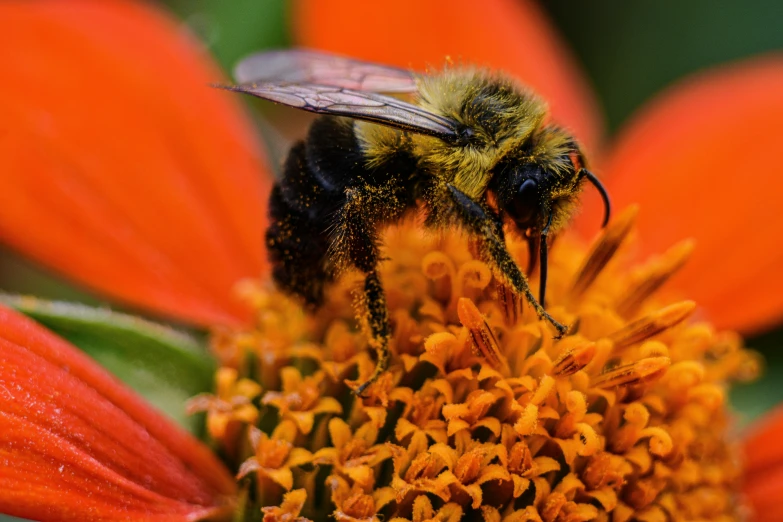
{"x": 361, "y": 105}
{"x": 300, "y": 66}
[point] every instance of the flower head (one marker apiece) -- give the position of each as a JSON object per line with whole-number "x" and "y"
{"x": 625, "y": 416}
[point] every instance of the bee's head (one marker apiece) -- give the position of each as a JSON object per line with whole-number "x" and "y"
{"x": 537, "y": 187}
{"x": 535, "y": 196}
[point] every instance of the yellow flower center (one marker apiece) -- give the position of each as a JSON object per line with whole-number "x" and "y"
{"x": 483, "y": 412}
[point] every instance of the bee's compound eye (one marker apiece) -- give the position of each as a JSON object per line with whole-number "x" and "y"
{"x": 525, "y": 202}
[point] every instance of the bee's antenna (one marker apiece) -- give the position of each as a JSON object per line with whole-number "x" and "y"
{"x": 604, "y": 195}
{"x": 542, "y": 259}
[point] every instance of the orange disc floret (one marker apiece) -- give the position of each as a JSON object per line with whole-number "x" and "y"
{"x": 483, "y": 412}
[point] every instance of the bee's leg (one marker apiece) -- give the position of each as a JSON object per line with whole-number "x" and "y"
{"x": 482, "y": 222}
{"x": 355, "y": 243}
{"x": 380, "y": 329}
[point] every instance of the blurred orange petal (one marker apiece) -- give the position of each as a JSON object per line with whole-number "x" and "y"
{"x": 511, "y": 35}
{"x": 122, "y": 168}
{"x": 763, "y": 485}
{"x": 77, "y": 445}
{"x": 701, "y": 161}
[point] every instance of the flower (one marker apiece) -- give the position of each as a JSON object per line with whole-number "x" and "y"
{"x": 300, "y": 399}
{"x": 230, "y": 408}
{"x": 352, "y": 454}
{"x": 626, "y": 416}
{"x": 275, "y": 456}
{"x": 481, "y": 407}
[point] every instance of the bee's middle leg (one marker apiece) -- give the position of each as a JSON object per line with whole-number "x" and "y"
{"x": 356, "y": 243}
{"x": 483, "y": 222}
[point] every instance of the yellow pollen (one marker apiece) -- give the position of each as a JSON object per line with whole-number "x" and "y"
{"x": 483, "y": 414}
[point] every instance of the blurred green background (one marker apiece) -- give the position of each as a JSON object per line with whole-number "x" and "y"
{"x": 629, "y": 51}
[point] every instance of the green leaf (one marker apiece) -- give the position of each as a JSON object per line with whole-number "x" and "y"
{"x": 162, "y": 364}
{"x": 9, "y": 518}
{"x": 752, "y": 400}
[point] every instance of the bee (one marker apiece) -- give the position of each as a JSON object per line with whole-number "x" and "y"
{"x": 473, "y": 149}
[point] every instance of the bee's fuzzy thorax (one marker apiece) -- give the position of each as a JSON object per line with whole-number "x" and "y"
{"x": 500, "y": 114}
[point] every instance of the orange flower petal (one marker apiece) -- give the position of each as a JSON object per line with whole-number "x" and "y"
{"x": 122, "y": 168}
{"x": 77, "y": 445}
{"x": 512, "y": 35}
{"x": 701, "y": 162}
{"x": 764, "y": 468}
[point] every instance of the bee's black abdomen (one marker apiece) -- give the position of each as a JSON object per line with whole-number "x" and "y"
{"x": 297, "y": 239}
{"x": 327, "y": 206}
{"x": 300, "y": 190}
{"x": 296, "y": 251}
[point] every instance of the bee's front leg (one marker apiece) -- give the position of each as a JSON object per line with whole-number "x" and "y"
{"x": 480, "y": 220}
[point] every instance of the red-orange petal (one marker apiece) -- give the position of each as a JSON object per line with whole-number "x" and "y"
{"x": 511, "y": 35}
{"x": 763, "y": 484}
{"x": 76, "y": 444}
{"x": 702, "y": 162}
{"x": 122, "y": 169}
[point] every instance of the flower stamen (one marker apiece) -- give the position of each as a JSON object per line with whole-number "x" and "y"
{"x": 483, "y": 338}
{"x": 644, "y": 371}
{"x": 602, "y": 251}
{"x": 650, "y": 278}
{"x": 650, "y": 325}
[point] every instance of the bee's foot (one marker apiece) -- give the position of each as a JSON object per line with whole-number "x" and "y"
{"x": 562, "y": 330}
{"x": 359, "y": 392}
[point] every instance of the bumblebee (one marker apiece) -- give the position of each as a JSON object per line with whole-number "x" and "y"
{"x": 473, "y": 149}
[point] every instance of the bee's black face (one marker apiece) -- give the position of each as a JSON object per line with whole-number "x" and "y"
{"x": 519, "y": 194}
{"x": 524, "y": 204}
